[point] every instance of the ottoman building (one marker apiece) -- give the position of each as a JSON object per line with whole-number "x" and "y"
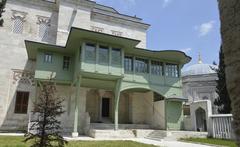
{"x": 99, "y": 62}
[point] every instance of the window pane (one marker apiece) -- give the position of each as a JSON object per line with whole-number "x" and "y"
{"x": 141, "y": 65}
{"x": 156, "y": 68}
{"x": 116, "y": 56}
{"x": 103, "y": 55}
{"x": 17, "y": 25}
{"x": 66, "y": 62}
{"x": 172, "y": 70}
{"x": 90, "y": 52}
{"x": 21, "y": 103}
{"x": 48, "y": 58}
{"x": 43, "y": 30}
{"x": 128, "y": 64}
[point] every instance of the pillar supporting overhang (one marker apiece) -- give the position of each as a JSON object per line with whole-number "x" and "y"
{"x": 75, "y": 127}
{"x": 117, "y": 96}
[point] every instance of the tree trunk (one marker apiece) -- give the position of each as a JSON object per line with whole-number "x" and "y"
{"x": 230, "y": 32}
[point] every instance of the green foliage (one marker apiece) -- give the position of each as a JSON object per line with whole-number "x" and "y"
{"x": 45, "y": 129}
{"x": 223, "y": 101}
{"x": 212, "y": 141}
{"x": 2, "y": 6}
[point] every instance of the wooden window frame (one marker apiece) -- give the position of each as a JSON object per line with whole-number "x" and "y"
{"x": 22, "y": 107}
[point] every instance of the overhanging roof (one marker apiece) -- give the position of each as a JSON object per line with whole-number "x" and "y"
{"x": 165, "y": 55}
{"x": 75, "y": 38}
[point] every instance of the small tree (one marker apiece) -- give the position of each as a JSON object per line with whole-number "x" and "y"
{"x": 45, "y": 129}
{"x": 2, "y": 6}
{"x": 223, "y": 101}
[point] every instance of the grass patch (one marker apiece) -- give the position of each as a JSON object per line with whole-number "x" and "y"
{"x": 212, "y": 141}
{"x": 10, "y": 141}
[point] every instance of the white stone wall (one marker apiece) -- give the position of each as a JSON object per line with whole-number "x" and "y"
{"x": 62, "y": 17}
{"x": 141, "y": 108}
{"x": 13, "y": 52}
{"x": 198, "y": 87}
{"x": 159, "y": 115}
{"x": 81, "y": 15}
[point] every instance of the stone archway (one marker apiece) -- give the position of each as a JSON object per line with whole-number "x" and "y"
{"x": 201, "y": 122}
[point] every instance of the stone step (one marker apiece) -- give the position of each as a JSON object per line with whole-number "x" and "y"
{"x": 104, "y": 126}
{"x": 157, "y": 135}
{"x": 111, "y": 133}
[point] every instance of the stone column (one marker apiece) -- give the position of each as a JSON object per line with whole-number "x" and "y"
{"x": 117, "y": 96}
{"x": 76, "y": 113}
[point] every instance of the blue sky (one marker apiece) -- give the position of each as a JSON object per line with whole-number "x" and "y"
{"x": 188, "y": 25}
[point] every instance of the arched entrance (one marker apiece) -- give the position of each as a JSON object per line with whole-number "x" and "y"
{"x": 201, "y": 123}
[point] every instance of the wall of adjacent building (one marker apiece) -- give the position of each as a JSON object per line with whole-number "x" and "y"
{"x": 13, "y": 52}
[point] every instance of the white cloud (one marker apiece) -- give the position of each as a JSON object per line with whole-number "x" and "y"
{"x": 205, "y": 28}
{"x": 186, "y": 50}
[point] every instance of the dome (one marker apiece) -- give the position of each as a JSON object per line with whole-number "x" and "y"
{"x": 199, "y": 69}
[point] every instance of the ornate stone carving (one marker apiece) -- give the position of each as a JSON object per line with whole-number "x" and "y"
{"x": 18, "y": 14}
{"x": 23, "y": 77}
{"x": 43, "y": 19}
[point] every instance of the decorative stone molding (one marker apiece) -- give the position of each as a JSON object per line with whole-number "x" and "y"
{"x": 116, "y": 33}
{"x": 43, "y": 19}
{"x": 19, "y": 14}
{"x": 97, "y": 29}
{"x": 23, "y": 77}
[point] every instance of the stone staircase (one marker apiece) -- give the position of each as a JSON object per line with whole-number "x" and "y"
{"x": 110, "y": 126}
{"x": 158, "y": 135}
{"x": 111, "y": 133}
{"x": 104, "y": 130}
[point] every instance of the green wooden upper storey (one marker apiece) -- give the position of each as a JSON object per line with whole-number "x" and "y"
{"x": 106, "y": 58}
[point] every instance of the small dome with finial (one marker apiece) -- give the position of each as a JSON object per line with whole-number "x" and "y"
{"x": 199, "y": 69}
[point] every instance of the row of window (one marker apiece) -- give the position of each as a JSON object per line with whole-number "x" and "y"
{"x": 142, "y": 66}
{"x": 43, "y": 30}
{"x": 48, "y": 58}
{"x": 103, "y": 54}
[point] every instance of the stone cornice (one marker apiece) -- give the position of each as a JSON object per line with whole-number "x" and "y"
{"x": 114, "y": 19}
{"x": 36, "y": 3}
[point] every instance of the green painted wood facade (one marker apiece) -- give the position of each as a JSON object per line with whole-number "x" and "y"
{"x": 110, "y": 76}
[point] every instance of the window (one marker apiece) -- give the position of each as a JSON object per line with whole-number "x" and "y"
{"x": 103, "y": 55}
{"x": 48, "y": 58}
{"x": 128, "y": 64}
{"x": 17, "y": 25}
{"x": 116, "y": 56}
{"x": 156, "y": 68}
{"x": 172, "y": 70}
{"x": 66, "y": 62}
{"x": 90, "y": 52}
{"x": 141, "y": 65}
{"x": 43, "y": 30}
{"x": 21, "y": 104}
{"x": 186, "y": 110}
